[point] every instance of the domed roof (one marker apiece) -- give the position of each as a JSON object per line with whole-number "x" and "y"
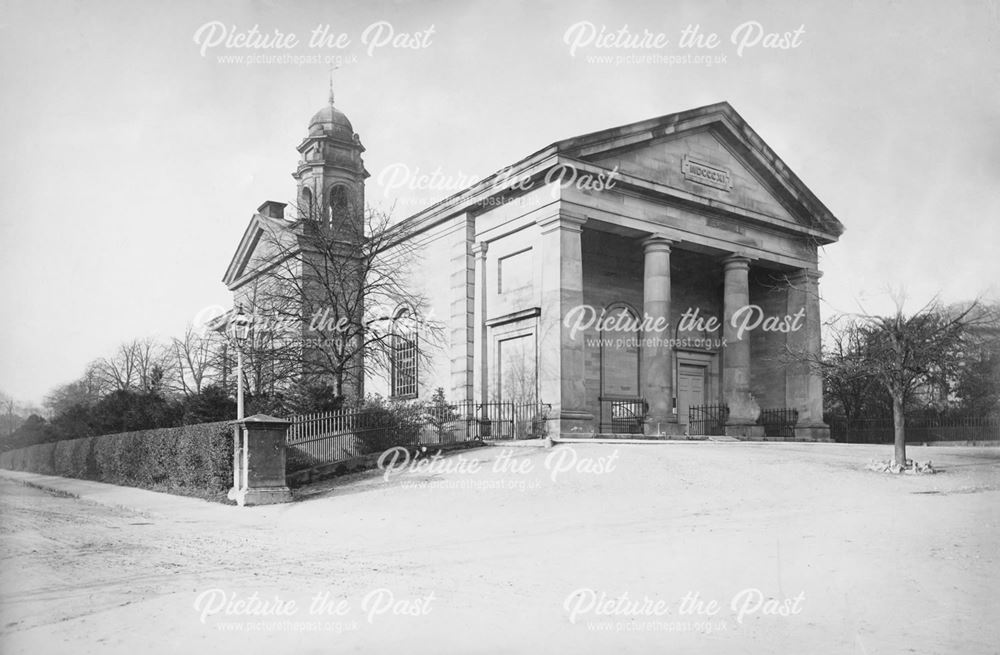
{"x": 330, "y": 119}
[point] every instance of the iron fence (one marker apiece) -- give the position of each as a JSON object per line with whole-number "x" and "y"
{"x": 503, "y": 420}
{"x": 323, "y": 449}
{"x": 623, "y": 415}
{"x": 331, "y": 437}
{"x": 779, "y": 423}
{"x": 306, "y": 426}
{"x": 708, "y": 419}
{"x": 919, "y": 429}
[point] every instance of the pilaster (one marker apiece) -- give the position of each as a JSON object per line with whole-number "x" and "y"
{"x": 561, "y": 351}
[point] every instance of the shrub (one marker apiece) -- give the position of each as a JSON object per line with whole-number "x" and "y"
{"x": 384, "y": 424}
{"x": 212, "y": 404}
{"x": 440, "y": 415}
{"x": 305, "y": 398}
{"x": 34, "y": 430}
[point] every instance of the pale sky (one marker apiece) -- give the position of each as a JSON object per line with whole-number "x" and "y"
{"x": 132, "y": 163}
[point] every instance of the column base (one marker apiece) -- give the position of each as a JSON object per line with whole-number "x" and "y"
{"x": 814, "y": 432}
{"x": 263, "y": 496}
{"x": 744, "y": 431}
{"x": 665, "y": 427}
{"x": 574, "y": 423}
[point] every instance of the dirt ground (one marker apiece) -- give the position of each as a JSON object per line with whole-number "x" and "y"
{"x": 584, "y": 549}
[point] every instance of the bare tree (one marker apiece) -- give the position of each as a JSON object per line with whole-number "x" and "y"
{"x": 902, "y": 354}
{"x": 85, "y": 391}
{"x": 117, "y": 371}
{"x": 846, "y": 376}
{"x": 139, "y": 364}
{"x": 908, "y": 351}
{"x": 335, "y": 296}
{"x": 11, "y": 419}
{"x": 977, "y": 388}
{"x": 194, "y": 358}
{"x": 154, "y": 365}
{"x": 272, "y": 350}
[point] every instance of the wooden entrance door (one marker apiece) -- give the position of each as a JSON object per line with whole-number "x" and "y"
{"x": 690, "y": 390}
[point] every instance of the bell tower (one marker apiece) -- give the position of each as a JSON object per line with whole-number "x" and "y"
{"x": 331, "y": 174}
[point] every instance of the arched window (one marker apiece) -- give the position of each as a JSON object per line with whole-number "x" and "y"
{"x": 620, "y": 351}
{"x": 340, "y": 205}
{"x": 307, "y": 204}
{"x": 403, "y": 355}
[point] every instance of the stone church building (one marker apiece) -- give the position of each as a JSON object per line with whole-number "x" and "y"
{"x": 658, "y": 269}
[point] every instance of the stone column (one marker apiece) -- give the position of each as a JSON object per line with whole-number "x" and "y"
{"x": 263, "y": 462}
{"x": 481, "y": 379}
{"x": 803, "y": 383}
{"x": 561, "y": 352}
{"x": 657, "y": 356}
{"x": 743, "y": 409}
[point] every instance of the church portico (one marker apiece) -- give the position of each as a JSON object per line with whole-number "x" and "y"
{"x": 681, "y": 355}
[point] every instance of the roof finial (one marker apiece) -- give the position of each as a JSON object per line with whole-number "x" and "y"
{"x": 332, "y": 68}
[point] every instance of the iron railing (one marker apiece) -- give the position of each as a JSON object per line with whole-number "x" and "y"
{"x": 331, "y": 437}
{"x": 919, "y": 429}
{"x": 503, "y": 420}
{"x": 623, "y": 415}
{"x": 779, "y": 423}
{"x": 708, "y": 419}
{"x": 306, "y": 426}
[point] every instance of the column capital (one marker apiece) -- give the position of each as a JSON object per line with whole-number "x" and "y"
{"x": 480, "y": 248}
{"x": 657, "y": 243}
{"x": 736, "y": 261}
{"x": 561, "y": 221}
{"x": 804, "y": 276}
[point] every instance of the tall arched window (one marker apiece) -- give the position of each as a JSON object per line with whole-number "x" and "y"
{"x": 340, "y": 205}
{"x": 307, "y": 203}
{"x": 403, "y": 355}
{"x": 620, "y": 352}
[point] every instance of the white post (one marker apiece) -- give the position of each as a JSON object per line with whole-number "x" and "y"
{"x": 239, "y": 383}
{"x": 239, "y": 437}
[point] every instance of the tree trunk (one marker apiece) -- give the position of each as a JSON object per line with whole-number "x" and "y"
{"x": 899, "y": 429}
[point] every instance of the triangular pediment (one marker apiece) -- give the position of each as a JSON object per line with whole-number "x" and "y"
{"x": 712, "y": 154}
{"x": 258, "y": 248}
{"x": 701, "y": 164}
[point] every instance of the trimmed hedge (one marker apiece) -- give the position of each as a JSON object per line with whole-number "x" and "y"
{"x": 193, "y": 460}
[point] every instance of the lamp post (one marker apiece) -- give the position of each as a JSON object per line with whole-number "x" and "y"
{"x": 239, "y": 330}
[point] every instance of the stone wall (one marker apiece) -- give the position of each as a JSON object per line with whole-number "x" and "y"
{"x": 437, "y": 275}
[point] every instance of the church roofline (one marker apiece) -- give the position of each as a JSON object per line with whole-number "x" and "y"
{"x": 735, "y": 128}
{"x": 236, "y": 274}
